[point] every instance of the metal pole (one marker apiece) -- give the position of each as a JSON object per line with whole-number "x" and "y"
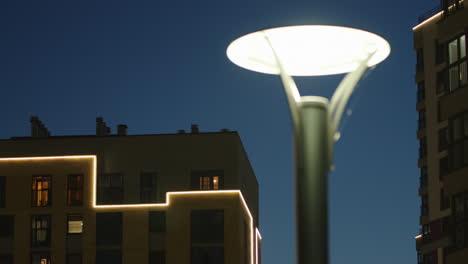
{"x": 312, "y": 164}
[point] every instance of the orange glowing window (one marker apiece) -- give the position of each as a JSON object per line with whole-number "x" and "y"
{"x": 41, "y": 191}
{"x": 207, "y": 180}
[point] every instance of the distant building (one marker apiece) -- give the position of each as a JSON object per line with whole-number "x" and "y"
{"x": 442, "y": 104}
{"x": 185, "y": 198}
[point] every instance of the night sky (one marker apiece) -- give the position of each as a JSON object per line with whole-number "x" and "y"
{"x": 159, "y": 66}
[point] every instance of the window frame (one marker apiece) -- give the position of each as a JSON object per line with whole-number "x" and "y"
{"x": 34, "y": 231}
{"x": 35, "y": 191}
{"x": 69, "y": 219}
{"x": 149, "y": 194}
{"x": 75, "y": 189}
{"x": 200, "y": 178}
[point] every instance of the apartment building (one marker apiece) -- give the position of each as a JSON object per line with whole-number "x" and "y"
{"x": 167, "y": 198}
{"x": 442, "y": 104}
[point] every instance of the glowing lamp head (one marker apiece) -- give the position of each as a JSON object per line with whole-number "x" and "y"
{"x": 309, "y": 50}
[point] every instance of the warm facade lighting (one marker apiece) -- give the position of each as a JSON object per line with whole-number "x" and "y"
{"x": 75, "y": 226}
{"x": 310, "y": 50}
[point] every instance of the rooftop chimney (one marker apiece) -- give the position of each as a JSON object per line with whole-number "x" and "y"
{"x": 195, "y": 129}
{"x": 122, "y": 130}
{"x": 38, "y": 129}
{"x": 101, "y": 128}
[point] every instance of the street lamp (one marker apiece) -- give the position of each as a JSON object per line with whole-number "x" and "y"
{"x": 311, "y": 50}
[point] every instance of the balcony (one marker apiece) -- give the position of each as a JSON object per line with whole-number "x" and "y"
{"x": 448, "y": 7}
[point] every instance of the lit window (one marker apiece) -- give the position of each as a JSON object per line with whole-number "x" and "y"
{"x": 41, "y": 190}
{"x": 75, "y": 224}
{"x": 75, "y": 190}
{"x": 207, "y": 180}
{"x": 457, "y": 70}
{"x": 40, "y": 258}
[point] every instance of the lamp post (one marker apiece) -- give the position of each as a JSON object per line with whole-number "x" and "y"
{"x": 311, "y": 50}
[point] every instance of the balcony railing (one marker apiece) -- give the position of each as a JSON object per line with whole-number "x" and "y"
{"x": 429, "y": 13}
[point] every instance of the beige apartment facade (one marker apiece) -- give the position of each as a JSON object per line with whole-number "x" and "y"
{"x": 442, "y": 105}
{"x": 175, "y": 198}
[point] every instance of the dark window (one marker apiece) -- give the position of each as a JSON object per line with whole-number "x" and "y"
{"x": 443, "y": 166}
{"x": 108, "y": 257}
{"x": 157, "y": 257}
{"x": 423, "y": 177}
{"x": 109, "y": 229}
{"x": 110, "y": 188}
{"x": 207, "y": 180}
{"x": 442, "y": 81}
{"x": 424, "y": 205}
{"x": 75, "y": 224}
{"x": 41, "y": 191}
{"x": 422, "y": 148}
{"x": 443, "y": 138}
{"x": 421, "y": 94}
{"x": 207, "y": 226}
{"x": 458, "y": 145}
{"x": 444, "y": 200}
{"x": 419, "y": 60}
{"x": 75, "y": 190}
{"x": 6, "y": 259}
{"x": 40, "y": 258}
{"x": 207, "y": 255}
{"x": 7, "y": 226}
{"x": 440, "y": 53}
{"x": 2, "y": 191}
{"x": 40, "y": 231}
{"x": 74, "y": 259}
{"x": 157, "y": 221}
{"x": 148, "y": 187}
{"x": 422, "y": 119}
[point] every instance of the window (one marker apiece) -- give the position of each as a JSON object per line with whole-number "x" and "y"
{"x": 440, "y": 53}
{"x": 443, "y": 166}
{"x": 444, "y": 200}
{"x": 457, "y": 72}
{"x": 157, "y": 221}
{"x": 74, "y": 259}
{"x": 108, "y": 229}
{"x": 458, "y": 145}
{"x": 419, "y": 60}
{"x": 424, "y": 205}
{"x": 148, "y": 188}
{"x": 422, "y": 119}
{"x": 443, "y": 138}
{"x": 207, "y": 226}
{"x": 75, "y": 190}
{"x": 75, "y": 224}
{"x": 422, "y": 148}
{"x": 421, "y": 94}
{"x": 7, "y": 225}
{"x": 207, "y": 255}
{"x": 423, "y": 177}
{"x": 41, "y": 191}
{"x": 157, "y": 257}
{"x": 40, "y": 258}
{"x": 2, "y": 191}
{"x": 6, "y": 259}
{"x": 40, "y": 232}
{"x": 207, "y": 180}
{"x": 108, "y": 256}
{"x": 110, "y": 188}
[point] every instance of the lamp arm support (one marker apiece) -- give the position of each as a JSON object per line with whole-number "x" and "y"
{"x": 290, "y": 88}
{"x": 341, "y": 97}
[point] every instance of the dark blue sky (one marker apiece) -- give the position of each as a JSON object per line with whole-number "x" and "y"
{"x": 159, "y": 66}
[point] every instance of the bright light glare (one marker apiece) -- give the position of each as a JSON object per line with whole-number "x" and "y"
{"x": 307, "y": 50}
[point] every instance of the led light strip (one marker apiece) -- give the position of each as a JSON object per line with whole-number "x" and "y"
{"x": 168, "y": 195}
{"x": 432, "y": 17}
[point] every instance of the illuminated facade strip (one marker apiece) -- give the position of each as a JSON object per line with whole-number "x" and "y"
{"x": 433, "y": 17}
{"x": 168, "y": 194}
{"x": 258, "y": 237}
